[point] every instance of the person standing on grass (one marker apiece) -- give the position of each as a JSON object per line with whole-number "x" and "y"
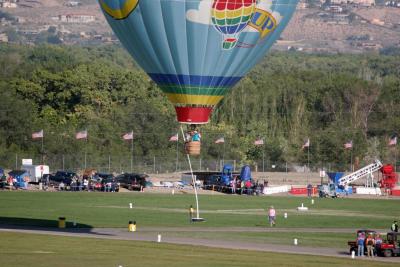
{"x": 309, "y": 190}
{"x": 271, "y": 216}
{"x": 378, "y": 243}
{"x": 370, "y": 246}
{"x": 191, "y": 213}
{"x": 360, "y": 244}
{"x": 395, "y": 227}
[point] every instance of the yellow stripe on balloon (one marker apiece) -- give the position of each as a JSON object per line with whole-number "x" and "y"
{"x": 121, "y": 13}
{"x": 243, "y": 11}
{"x": 194, "y": 99}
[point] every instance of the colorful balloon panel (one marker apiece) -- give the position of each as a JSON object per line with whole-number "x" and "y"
{"x": 178, "y": 43}
{"x": 230, "y": 17}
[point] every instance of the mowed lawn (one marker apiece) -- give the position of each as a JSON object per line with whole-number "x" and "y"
{"x": 17, "y": 249}
{"x": 93, "y": 209}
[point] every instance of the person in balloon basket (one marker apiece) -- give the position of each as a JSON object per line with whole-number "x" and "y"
{"x": 271, "y": 216}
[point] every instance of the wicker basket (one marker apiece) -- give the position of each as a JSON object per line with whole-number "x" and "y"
{"x": 193, "y": 148}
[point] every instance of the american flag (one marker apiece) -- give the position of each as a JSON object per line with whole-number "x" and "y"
{"x": 174, "y": 138}
{"x": 348, "y": 145}
{"x": 128, "y": 136}
{"x": 259, "y": 142}
{"x": 220, "y": 140}
{"x": 306, "y": 143}
{"x": 37, "y": 135}
{"x": 393, "y": 140}
{"x": 81, "y": 135}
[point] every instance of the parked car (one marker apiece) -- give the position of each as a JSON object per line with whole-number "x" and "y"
{"x": 65, "y": 176}
{"x": 3, "y": 181}
{"x": 132, "y": 181}
{"x": 109, "y": 184}
{"x": 95, "y": 183}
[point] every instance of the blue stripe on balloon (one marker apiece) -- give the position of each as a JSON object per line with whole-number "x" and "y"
{"x": 194, "y": 80}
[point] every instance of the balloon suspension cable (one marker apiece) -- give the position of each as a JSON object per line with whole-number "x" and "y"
{"x": 193, "y": 178}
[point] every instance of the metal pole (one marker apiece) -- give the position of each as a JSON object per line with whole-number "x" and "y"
{"x": 154, "y": 164}
{"x": 308, "y": 159}
{"x": 109, "y": 163}
{"x": 63, "y": 163}
{"x": 177, "y": 155}
{"x": 85, "y": 151}
{"x": 132, "y": 155}
{"x": 16, "y": 161}
{"x": 223, "y": 152}
{"x": 286, "y": 166}
{"x": 351, "y": 160}
{"x": 200, "y": 164}
{"x": 263, "y": 161}
{"x": 42, "y": 151}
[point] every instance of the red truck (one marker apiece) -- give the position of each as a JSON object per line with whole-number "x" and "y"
{"x": 391, "y": 246}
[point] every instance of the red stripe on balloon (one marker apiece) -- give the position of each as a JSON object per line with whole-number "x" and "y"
{"x": 232, "y": 4}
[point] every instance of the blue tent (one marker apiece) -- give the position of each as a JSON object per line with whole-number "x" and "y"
{"x": 227, "y": 174}
{"x": 19, "y": 175}
{"x": 245, "y": 173}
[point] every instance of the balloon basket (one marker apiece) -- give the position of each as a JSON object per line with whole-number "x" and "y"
{"x": 193, "y": 148}
{"x": 229, "y": 43}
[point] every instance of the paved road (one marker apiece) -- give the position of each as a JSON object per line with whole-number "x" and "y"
{"x": 151, "y": 233}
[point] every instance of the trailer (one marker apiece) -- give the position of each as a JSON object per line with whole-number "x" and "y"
{"x": 36, "y": 172}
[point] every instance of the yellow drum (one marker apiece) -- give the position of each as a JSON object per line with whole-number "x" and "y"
{"x": 61, "y": 222}
{"x": 132, "y": 226}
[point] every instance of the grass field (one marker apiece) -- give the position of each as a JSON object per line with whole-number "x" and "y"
{"x": 42, "y": 251}
{"x": 222, "y": 213}
{"x": 112, "y": 210}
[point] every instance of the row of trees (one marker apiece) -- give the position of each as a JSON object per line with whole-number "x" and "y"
{"x": 286, "y": 99}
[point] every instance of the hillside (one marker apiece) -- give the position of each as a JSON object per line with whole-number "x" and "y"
{"x": 354, "y": 29}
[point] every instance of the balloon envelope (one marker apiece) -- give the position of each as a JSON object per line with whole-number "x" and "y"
{"x": 197, "y": 50}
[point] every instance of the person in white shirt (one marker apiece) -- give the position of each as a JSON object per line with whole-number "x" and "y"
{"x": 271, "y": 216}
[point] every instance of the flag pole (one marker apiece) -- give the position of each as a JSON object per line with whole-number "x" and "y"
{"x": 85, "y": 151}
{"x": 177, "y": 154}
{"x": 42, "y": 150}
{"x": 132, "y": 152}
{"x": 351, "y": 160}
{"x": 308, "y": 160}
{"x": 223, "y": 152}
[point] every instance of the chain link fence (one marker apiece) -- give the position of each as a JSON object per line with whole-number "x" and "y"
{"x": 154, "y": 164}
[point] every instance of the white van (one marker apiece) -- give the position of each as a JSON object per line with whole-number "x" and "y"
{"x": 36, "y": 171}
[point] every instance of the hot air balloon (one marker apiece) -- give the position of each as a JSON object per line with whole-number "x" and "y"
{"x": 178, "y": 44}
{"x": 230, "y": 17}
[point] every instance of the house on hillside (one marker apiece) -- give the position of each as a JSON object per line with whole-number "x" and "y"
{"x": 76, "y": 18}
{"x": 364, "y": 3}
{"x": 8, "y": 5}
{"x": 3, "y": 38}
